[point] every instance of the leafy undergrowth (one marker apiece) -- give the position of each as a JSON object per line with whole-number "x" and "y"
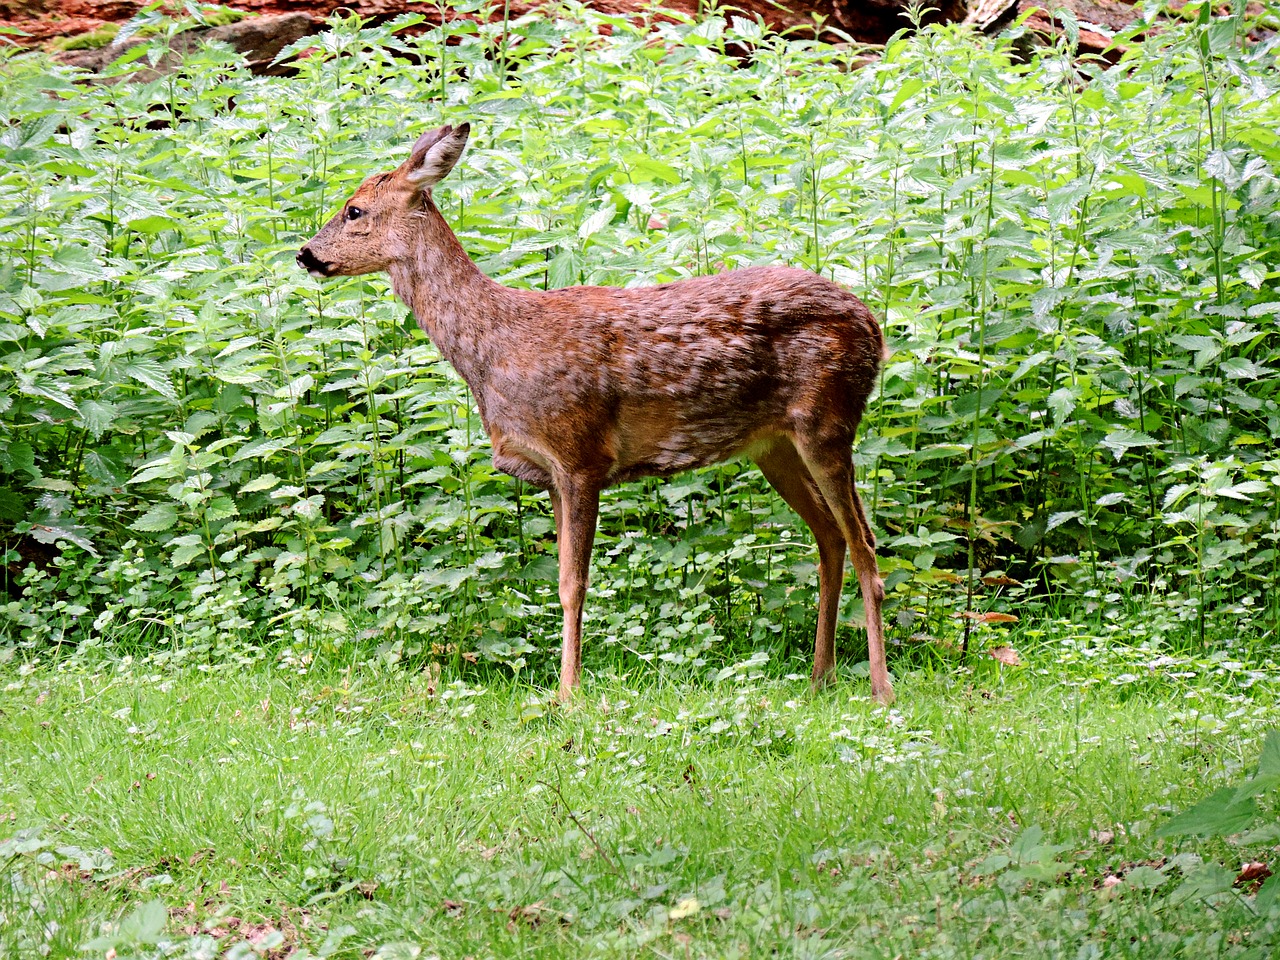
{"x": 994, "y": 811}
{"x": 1076, "y": 265}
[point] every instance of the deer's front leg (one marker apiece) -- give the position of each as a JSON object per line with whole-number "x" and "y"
{"x": 576, "y": 507}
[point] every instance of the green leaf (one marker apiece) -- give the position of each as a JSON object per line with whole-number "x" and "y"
{"x": 186, "y": 549}
{"x": 565, "y": 267}
{"x": 1206, "y": 880}
{"x": 72, "y": 533}
{"x": 165, "y": 468}
{"x": 938, "y": 451}
{"x": 1058, "y": 519}
{"x": 1027, "y": 841}
{"x": 1118, "y": 441}
{"x": 261, "y": 449}
{"x": 296, "y": 387}
{"x": 1145, "y": 878}
{"x": 1070, "y": 25}
{"x": 1242, "y": 491}
{"x": 220, "y": 508}
{"x": 41, "y": 388}
{"x": 1254, "y": 274}
{"x": 1218, "y": 165}
{"x": 1269, "y": 761}
{"x": 1195, "y": 342}
{"x": 992, "y": 865}
{"x": 97, "y": 417}
{"x": 18, "y": 456}
{"x": 149, "y": 373}
{"x": 1173, "y": 496}
{"x": 1266, "y": 833}
{"x": 1269, "y": 896}
{"x": 1218, "y": 815}
{"x": 597, "y": 221}
{"x": 158, "y": 519}
{"x": 542, "y": 569}
{"x": 152, "y": 225}
{"x": 145, "y": 925}
{"x": 646, "y": 169}
{"x": 967, "y": 405}
{"x": 908, "y": 89}
{"x": 12, "y": 506}
{"x": 1062, "y": 401}
{"x": 258, "y": 484}
{"x": 1267, "y": 776}
{"x": 106, "y": 465}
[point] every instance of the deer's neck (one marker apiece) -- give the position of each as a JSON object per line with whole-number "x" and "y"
{"x": 467, "y": 315}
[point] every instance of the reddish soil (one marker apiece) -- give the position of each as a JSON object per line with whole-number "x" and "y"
{"x": 871, "y": 21}
{"x": 868, "y": 21}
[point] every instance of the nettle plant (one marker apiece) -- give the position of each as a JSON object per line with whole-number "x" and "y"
{"x": 203, "y": 449}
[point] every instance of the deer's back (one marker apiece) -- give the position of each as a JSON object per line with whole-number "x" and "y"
{"x": 713, "y": 333}
{"x": 683, "y": 374}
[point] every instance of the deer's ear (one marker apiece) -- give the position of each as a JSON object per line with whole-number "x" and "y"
{"x": 435, "y": 154}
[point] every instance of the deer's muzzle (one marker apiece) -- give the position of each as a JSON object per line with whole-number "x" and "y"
{"x": 309, "y": 262}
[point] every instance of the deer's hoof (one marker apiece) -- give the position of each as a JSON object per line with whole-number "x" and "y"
{"x": 883, "y": 695}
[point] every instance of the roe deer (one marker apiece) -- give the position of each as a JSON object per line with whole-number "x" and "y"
{"x": 584, "y": 387}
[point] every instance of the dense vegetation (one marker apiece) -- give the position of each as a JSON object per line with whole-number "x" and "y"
{"x": 209, "y": 459}
{"x": 1076, "y": 263}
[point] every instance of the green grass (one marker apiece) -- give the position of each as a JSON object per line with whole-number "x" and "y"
{"x": 980, "y": 817}
{"x": 106, "y": 34}
{"x": 96, "y": 38}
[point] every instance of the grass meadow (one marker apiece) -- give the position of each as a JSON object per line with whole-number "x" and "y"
{"x": 993, "y": 812}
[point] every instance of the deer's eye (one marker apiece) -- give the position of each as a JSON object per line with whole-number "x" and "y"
{"x": 354, "y": 213}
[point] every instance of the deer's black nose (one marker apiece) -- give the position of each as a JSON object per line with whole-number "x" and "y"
{"x": 309, "y": 262}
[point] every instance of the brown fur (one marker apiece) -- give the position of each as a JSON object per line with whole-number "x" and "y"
{"x": 585, "y": 387}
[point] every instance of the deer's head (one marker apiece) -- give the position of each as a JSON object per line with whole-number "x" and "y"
{"x": 374, "y": 228}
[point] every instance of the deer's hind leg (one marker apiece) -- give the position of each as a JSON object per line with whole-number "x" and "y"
{"x": 830, "y": 463}
{"x": 785, "y": 470}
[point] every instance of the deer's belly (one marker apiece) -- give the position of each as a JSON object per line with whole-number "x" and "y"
{"x": 646, "y": 439}
{"x": 650, "y": 444}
